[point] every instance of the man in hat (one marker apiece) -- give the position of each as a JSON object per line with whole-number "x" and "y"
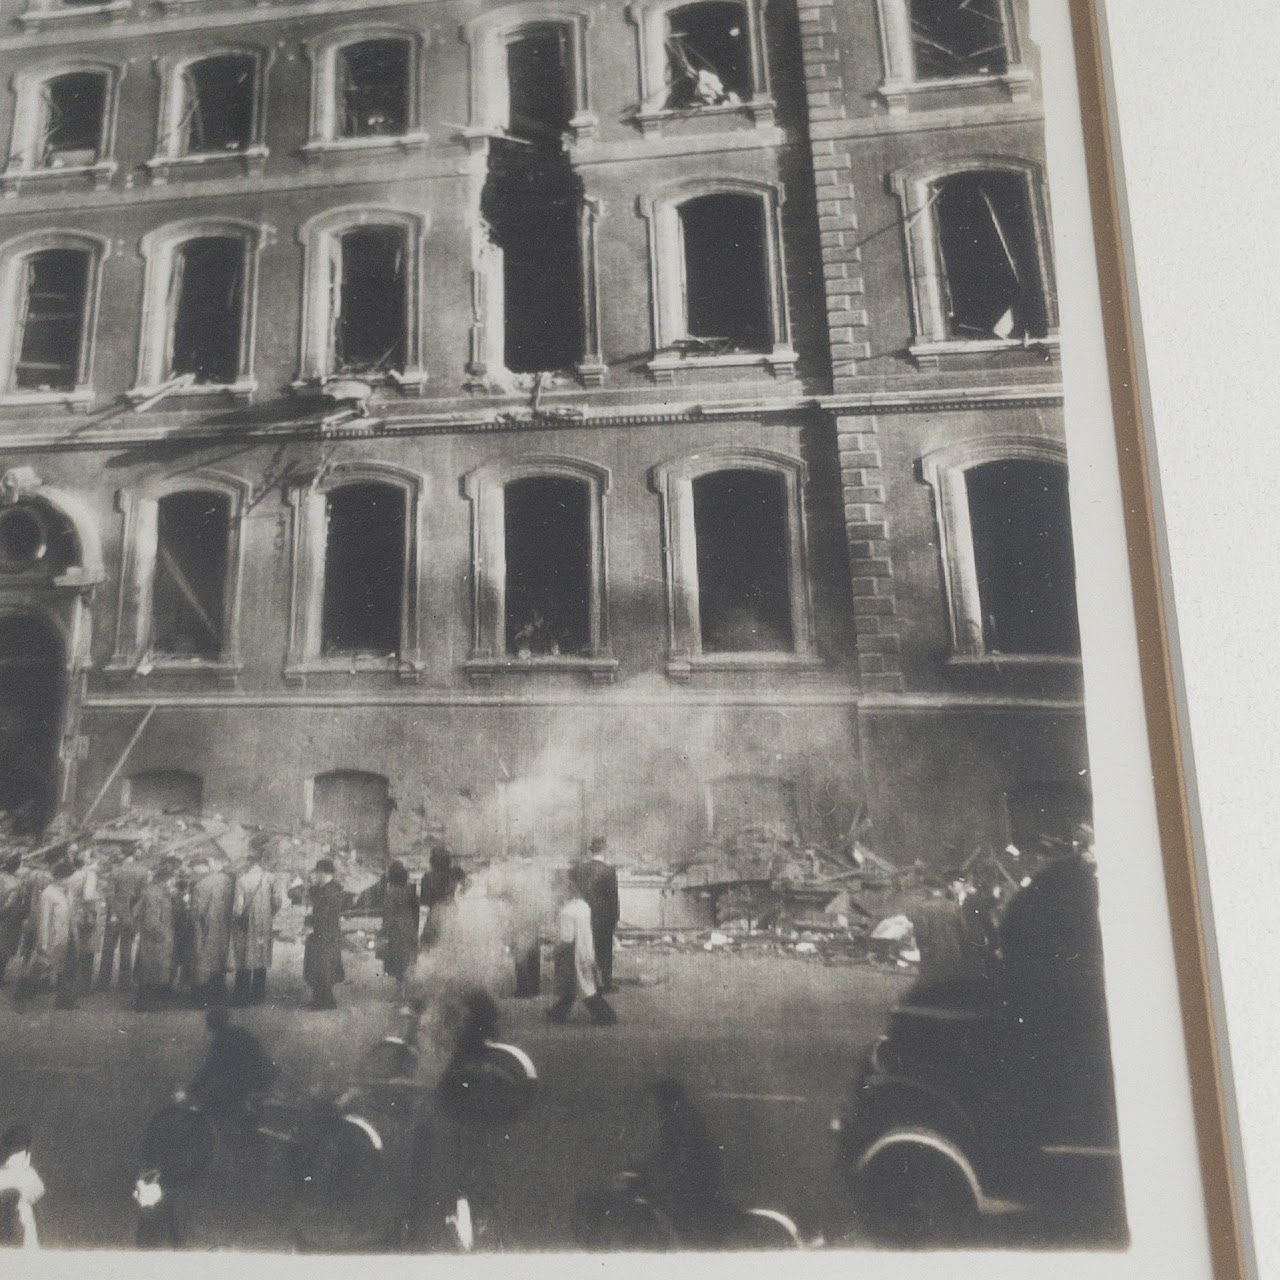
{"x": 13, "y": 909}
{"x": 322, "y": 952}
{"x": 257, "y": 900}
{"x": 600, "y": 887}
{"x": 124, "y": 885}
{"x": 212, "y": 900}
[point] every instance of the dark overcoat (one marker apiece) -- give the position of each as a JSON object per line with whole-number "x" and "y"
{"x": 155, "y": 918}
{"x": 322, "y": 953}
{"x": 400, "y": 929}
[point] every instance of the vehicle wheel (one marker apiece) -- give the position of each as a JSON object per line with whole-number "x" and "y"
{"x": 914, "y": 1195}
{"x": 343, "y": 1195}
{"x": 179, "y": 1142}
{"x": 764, "y": 1229}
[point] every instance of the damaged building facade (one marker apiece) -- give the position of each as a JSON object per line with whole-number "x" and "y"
{"x": 513, "y": 422}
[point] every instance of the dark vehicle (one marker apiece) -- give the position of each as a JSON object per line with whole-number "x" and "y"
{"x": 986, "y": 1112}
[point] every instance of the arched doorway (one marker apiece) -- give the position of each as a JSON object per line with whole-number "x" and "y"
{"x": 32, "y": 699}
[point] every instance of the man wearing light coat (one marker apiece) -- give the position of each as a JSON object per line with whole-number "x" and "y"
{"x": 257, "y": 899}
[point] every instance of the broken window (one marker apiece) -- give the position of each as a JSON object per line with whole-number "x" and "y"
{"x": 548, "y": 554}
{"x": 1021, "y": 523}
{"x": 165, "y": 791}
{"x": 958, "y": 38}
{"x": 374, "y": 88}
{"x": 989, "y": 256}
{"x": 708, "y": 55}
{"x": 539, "y": 84}
{"x": 208, "y": 309}
{"x": 370, "y": 300}
{"x": 218, "y": 104}
{"x": 55, "y": 298}
{"x": 364, "y": 563}
{"x": 187, "y": 598}
{"x": 744, "y": 596}
{"x": 353, "y": 808}
{"x": 726, "y": 290}
{"x": 73, "y": 121}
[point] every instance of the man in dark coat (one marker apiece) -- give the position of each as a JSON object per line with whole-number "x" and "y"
{"x": 398, "y": 941}
{"x": 439, "y": 893}
{"x": 600, "y": 884}
{"x": 13, "y": 909}
{"x": 155, "y": 921}
{"x": 123, "y": 888}
{"x": 322, "y": 953}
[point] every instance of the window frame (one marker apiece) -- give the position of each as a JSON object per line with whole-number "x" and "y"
{"x": 321, "y": 237}
{"x": 673, "y": 483}
{"x": 650, "y": 19}
{"x": 52, "y": 13}
{"x": 914, "y": 189}
{"x": 23, "y": 165}
{"x": 159, "y": 250}
{"x": 661, "y": 212}
{"x": 485, "y": 489}
{"x": 900, "y": 85}
{"x": 13, "y": 257}
{"x": 945, "y": 470}
{"x": 324, "y": 136}
{"x": 140, "y": 508}
{"x": 169, "y": 157}
{"x": 308, "y": 509}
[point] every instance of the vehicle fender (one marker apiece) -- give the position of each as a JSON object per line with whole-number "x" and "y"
{"x": 934, "y": 1141}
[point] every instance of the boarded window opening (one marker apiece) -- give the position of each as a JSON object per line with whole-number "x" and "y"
{"x": 187, "y": 601}
{"x": 744, "y": 598}
{"x": 54, "y": 302}
{"x": 371, "y": 301}
{"x": 354, "y": 808}
{"x": 363, "y": 570}
{"x": 708, "y": 56}
{"x": 208, "y": 314}
{"x": 165, "y": 791}
{"x": 991, "y": 265}
{"x": 548, "y": 551}
{"x": 958, "y": 38}
{"x": 218, "y": 102}
{"x": 726, "y": 293}
{"x": 74, "y": 112}
{"x": 1021, "y": 521}
{"x": 539, "y": 86}
{"x": 374, "y": 88}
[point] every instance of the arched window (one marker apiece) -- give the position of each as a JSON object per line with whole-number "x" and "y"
{"x": 978, "y": 255}
{"x": 1004, "y": 526}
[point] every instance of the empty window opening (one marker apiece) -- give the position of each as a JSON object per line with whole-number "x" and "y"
{"x": 35, "y": 540}
{"x": 353, "y": 809}
{"x": 164, "y": 791}
{"x": 191, "y": 570}
{"x": 55, "y": 298}
{"x": 744, "y": 598}
{"x": 218, "y": 104}
{"x": 208, "y": 314}
{"x": 1021, "y": 521}
{"x": 958, "y": 38}
{"x": 364, "y": 564}
{"x": 548, "y": 552}
{"x": 74, "y": 116}
{"x": 726, "y": 291}
{"x": 532, "y": 206}
{"x": 374, "y": 88}
{"x": 371, "y": 301}
{"x": 990, "y": 260}
{"x": 708, "y": 56}
{"x": 539, "y": 85}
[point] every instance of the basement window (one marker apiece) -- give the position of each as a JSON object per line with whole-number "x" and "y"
{"x": 742, "y": 534}
{"x": 218, "y": 104}
{"x": 708, "y": 56}
{"x": 188, "y": 593}
{"x": 374, "y": 89}
{"x": 208, "y": 315}
{"x": 726, "y": 290}
{"x": 989, "y": 258}
{"x": 370, "y": 301}
{"x": 539, "y": 84}
{"x": 73, "y": 119}
{"x": 548, "y": 559}
{"x": 1023, "y": 557}
{"x": 364, "y": 570}
{"x": 164, "y": 791}
{"x": 54, "y": 304}
{"x": 953, "y": 38}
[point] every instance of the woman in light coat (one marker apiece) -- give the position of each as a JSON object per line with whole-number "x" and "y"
{"x": 257, "y": 900}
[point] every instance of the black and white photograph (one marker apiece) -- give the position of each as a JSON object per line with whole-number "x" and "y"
{"x": 541, "y": 688}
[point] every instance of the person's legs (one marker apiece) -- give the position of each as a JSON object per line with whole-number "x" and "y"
{"x": 565, "y": 984}
{"x": 257, "y": 986}
{"x": 240, "y": 995}
{"x": 106, "y": 966}
{"x": 67, "y": 982}
{"x": 127, "y": 939}
{"x": 602, "y": 938}
{"x": 529, "y": 971}
{"x": 601, "y": 1010}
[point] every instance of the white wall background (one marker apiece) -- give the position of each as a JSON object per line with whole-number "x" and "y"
{"x": 1198, "y": 97}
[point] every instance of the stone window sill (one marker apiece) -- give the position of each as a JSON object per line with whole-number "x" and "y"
{"x": 13, "y": 179}
{"x": 355, "y": 664}
{"x": 683, "y": 666}
{"x": 760, "y": 111}
{"x": 242, "y": 389}
{"x": 226, "y": 671}
{"x": 962, "y": 661}
{"x": 318, "y": 148}
{"x": 897, "y": 94}
{"x": 928, "y": 354}
{"x": 80, "y": 400}
{"x": 599, "y": 669}
{"x": 251, "y": 161}
{"x": 781, "y": 362}
{"x": 113, "y": 11}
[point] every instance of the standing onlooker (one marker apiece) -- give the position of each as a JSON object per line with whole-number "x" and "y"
{"x": 601, "y": 892}
{"x": 257, "y": 899}
{"x": 184, "y": 926}
{"x": 212, "y": 899}
{"x": 124, "y": 885}
{"x": 524, "y": 888}
{"x": 155, "y": 920}
{"x": 399, "y": 936}
{"x": 575, "y": 959}
{"x": 322, "y": 952}
{"x": 19, "y": 1178}
{"x": 440, "y": 887}
{"x": 13, "y": 909}
{"x": 53, "y": 955}
{"x": 87, "y": 909}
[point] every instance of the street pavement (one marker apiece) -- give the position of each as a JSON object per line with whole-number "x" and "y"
{"x": 767, "y": 1043}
